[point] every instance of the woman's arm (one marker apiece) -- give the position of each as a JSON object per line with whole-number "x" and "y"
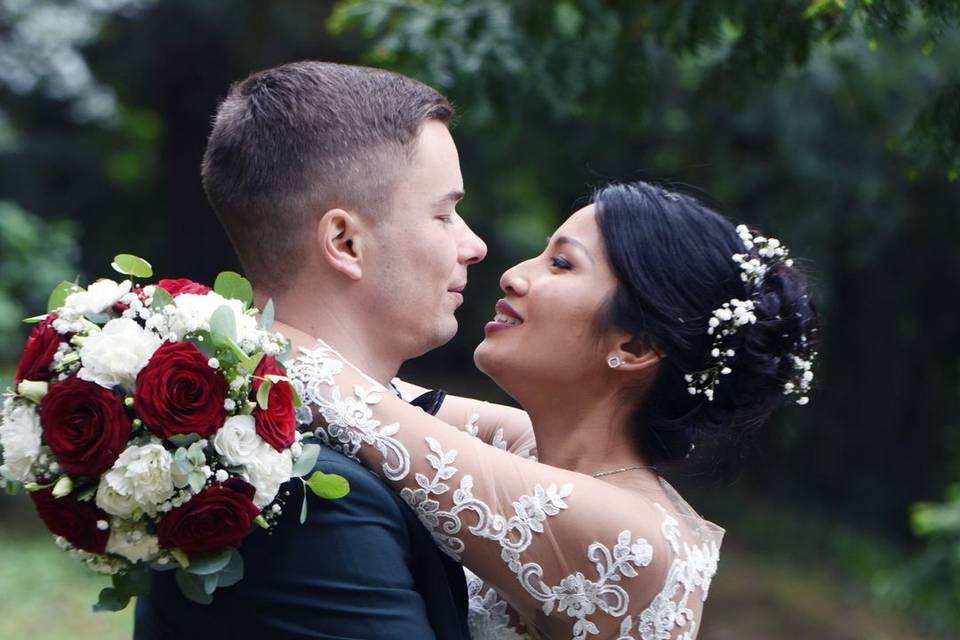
{"x": 504, "y": 427}
{"x": 567, "y": 551}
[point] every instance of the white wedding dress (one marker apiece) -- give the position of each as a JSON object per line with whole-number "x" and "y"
{"x": 549, "y": 553}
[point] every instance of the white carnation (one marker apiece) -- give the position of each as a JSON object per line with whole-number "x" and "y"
{"x": 267, "y": 471}
{"x": 115, "y": 355}
{"x": 114, "y": 503}
{"x": 99, "y": 296}
{"x": 20, "y": 436}
{"x": 237, "y": 440}
{"x": 143, "y": 473}
{"x": 133, "y": 543}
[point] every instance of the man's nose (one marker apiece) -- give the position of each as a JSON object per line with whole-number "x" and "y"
{"x": 472, "y": 248}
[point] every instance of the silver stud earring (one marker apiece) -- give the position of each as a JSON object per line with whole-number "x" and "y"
{"x": 613, "y": 362}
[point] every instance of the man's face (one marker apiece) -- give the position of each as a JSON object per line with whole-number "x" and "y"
{"x": 418, "y": 268}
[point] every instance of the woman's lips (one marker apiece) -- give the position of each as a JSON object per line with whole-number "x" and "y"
{"x": 505, "y": 318}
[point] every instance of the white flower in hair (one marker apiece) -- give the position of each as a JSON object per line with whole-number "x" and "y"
{"x": 727, "y": 319}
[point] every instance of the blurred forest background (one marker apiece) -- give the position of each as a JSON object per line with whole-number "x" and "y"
{"x": 832, "y": 124}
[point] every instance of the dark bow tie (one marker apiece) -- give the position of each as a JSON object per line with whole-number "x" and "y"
{"x": 430, "y": 401}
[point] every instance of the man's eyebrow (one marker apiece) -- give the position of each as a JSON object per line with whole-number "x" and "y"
{"x": 562, "y": 240}
{"x": 452, "y": 197}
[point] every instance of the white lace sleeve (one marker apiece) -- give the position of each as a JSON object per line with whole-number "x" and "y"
{"x": 504, "y": 427}
{"x": 573, "y": 556}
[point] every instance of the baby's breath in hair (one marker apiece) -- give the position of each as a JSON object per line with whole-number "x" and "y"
{"x": 726, "y": 320}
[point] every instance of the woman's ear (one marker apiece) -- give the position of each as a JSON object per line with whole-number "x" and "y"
{"x": 633, "y": 354}
{"x": 338, "y": 235}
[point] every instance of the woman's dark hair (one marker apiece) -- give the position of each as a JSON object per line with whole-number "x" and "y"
{"x": 673, "y": 259}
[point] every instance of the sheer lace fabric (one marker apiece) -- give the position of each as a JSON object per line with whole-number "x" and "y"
{"x": 556, "y": 554}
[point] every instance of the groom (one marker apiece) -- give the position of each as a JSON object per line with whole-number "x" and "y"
{"x": 337, "y": 186}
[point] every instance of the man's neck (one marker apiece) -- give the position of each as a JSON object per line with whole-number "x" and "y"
{"x": 342, "y": 326}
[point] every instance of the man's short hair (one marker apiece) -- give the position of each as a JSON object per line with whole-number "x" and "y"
{"x": 303, "y": 138}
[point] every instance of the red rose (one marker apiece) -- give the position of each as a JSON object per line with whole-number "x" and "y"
{"x": 85, "y": 425}
{"x": 217, "y": 517}
{"x": 278, "y": 424}
{"x": 38, "y": 352}
{"x": 176, "y": 286}
{"x": 74, "y": 520}
{"x": 178, "y": 392}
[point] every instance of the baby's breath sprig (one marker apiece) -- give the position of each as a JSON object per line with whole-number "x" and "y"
{"x": 726, "y": 320}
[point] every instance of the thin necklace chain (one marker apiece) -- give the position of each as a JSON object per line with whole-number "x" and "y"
{"x": 622, "y": 469}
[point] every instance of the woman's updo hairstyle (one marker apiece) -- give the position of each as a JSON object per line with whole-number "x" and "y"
{"x": 673, "y": 257}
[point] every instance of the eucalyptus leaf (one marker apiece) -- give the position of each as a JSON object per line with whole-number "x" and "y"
{"x": 132, "y": 265}
{"x": 266, "y": 316}
{"x": 59, "y": 294}
{"x": 233, "y": 572}
{"x": 135, "y": 582}
{"x": 183, "y": 439}
{"x": 263, "y": 394}
{"x": 223, "y": 324}
{"x": 161, "y": 298}
{"x": 307, "y": 459}
{"x": 328, "y": 485}
{"x": 203, "y": 564}
{"x": 192, "y": 587}
{"x": 111, "y": 600}
{"x": 35, "y": 319}
{"x": 230, "y": 284}
{"x": 203, "y": 341}
{"x": 13, "y": 487}
{"x": 210, "y": 582}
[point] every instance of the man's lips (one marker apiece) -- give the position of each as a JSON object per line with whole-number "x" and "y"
{"x": 457, "y": 292}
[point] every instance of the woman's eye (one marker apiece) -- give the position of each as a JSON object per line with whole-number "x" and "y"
{"x": 561, "y": 263}
{"x": 446, "y": 219}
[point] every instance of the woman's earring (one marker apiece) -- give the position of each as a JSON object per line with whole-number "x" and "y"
{"x": 613, "y": 362}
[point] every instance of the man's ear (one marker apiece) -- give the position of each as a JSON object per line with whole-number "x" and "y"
{"x": 635, "y": 355}
{"x": 339, "y": 237}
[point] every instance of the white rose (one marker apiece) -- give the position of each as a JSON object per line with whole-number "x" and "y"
{"x": 99, "y": 296}
{"x": 143, "y": 473}
{"x": 266, "y": 472}
{"x": 115, "y": 355}
{"x": 237, "y": 440}
{"x": 133, "y": 543}
{"x": 20, "y": 437}
{"x": 114, "y": 503}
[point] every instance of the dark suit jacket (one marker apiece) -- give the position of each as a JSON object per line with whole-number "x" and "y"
{"x": 359, "y": 567}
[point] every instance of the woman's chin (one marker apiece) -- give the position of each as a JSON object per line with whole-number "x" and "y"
{"x": 487, "y": 360}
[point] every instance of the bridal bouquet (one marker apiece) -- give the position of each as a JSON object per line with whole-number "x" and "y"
{"x": 153, "y": 426}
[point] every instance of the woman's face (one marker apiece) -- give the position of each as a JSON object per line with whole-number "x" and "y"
{"x": 545, "y": 327}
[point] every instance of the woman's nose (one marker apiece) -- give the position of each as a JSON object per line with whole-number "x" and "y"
{"x": 514, "y": 281}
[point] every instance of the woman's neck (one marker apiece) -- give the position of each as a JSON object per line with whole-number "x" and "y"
{"x": 588, "y": 432}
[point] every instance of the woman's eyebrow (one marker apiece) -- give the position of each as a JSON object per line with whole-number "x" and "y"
{"x": 562, "y": 240}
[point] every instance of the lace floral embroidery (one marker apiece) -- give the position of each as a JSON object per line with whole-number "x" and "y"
{"x": 693, "y": 567}
{"x": 579, "y": 596}
{"x": 487, "y": 614}
{"x": 350, "y": 421}
{"x": 514, "y": 533}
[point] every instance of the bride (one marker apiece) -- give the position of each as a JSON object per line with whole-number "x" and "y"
{"x": 648, "y": 326}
